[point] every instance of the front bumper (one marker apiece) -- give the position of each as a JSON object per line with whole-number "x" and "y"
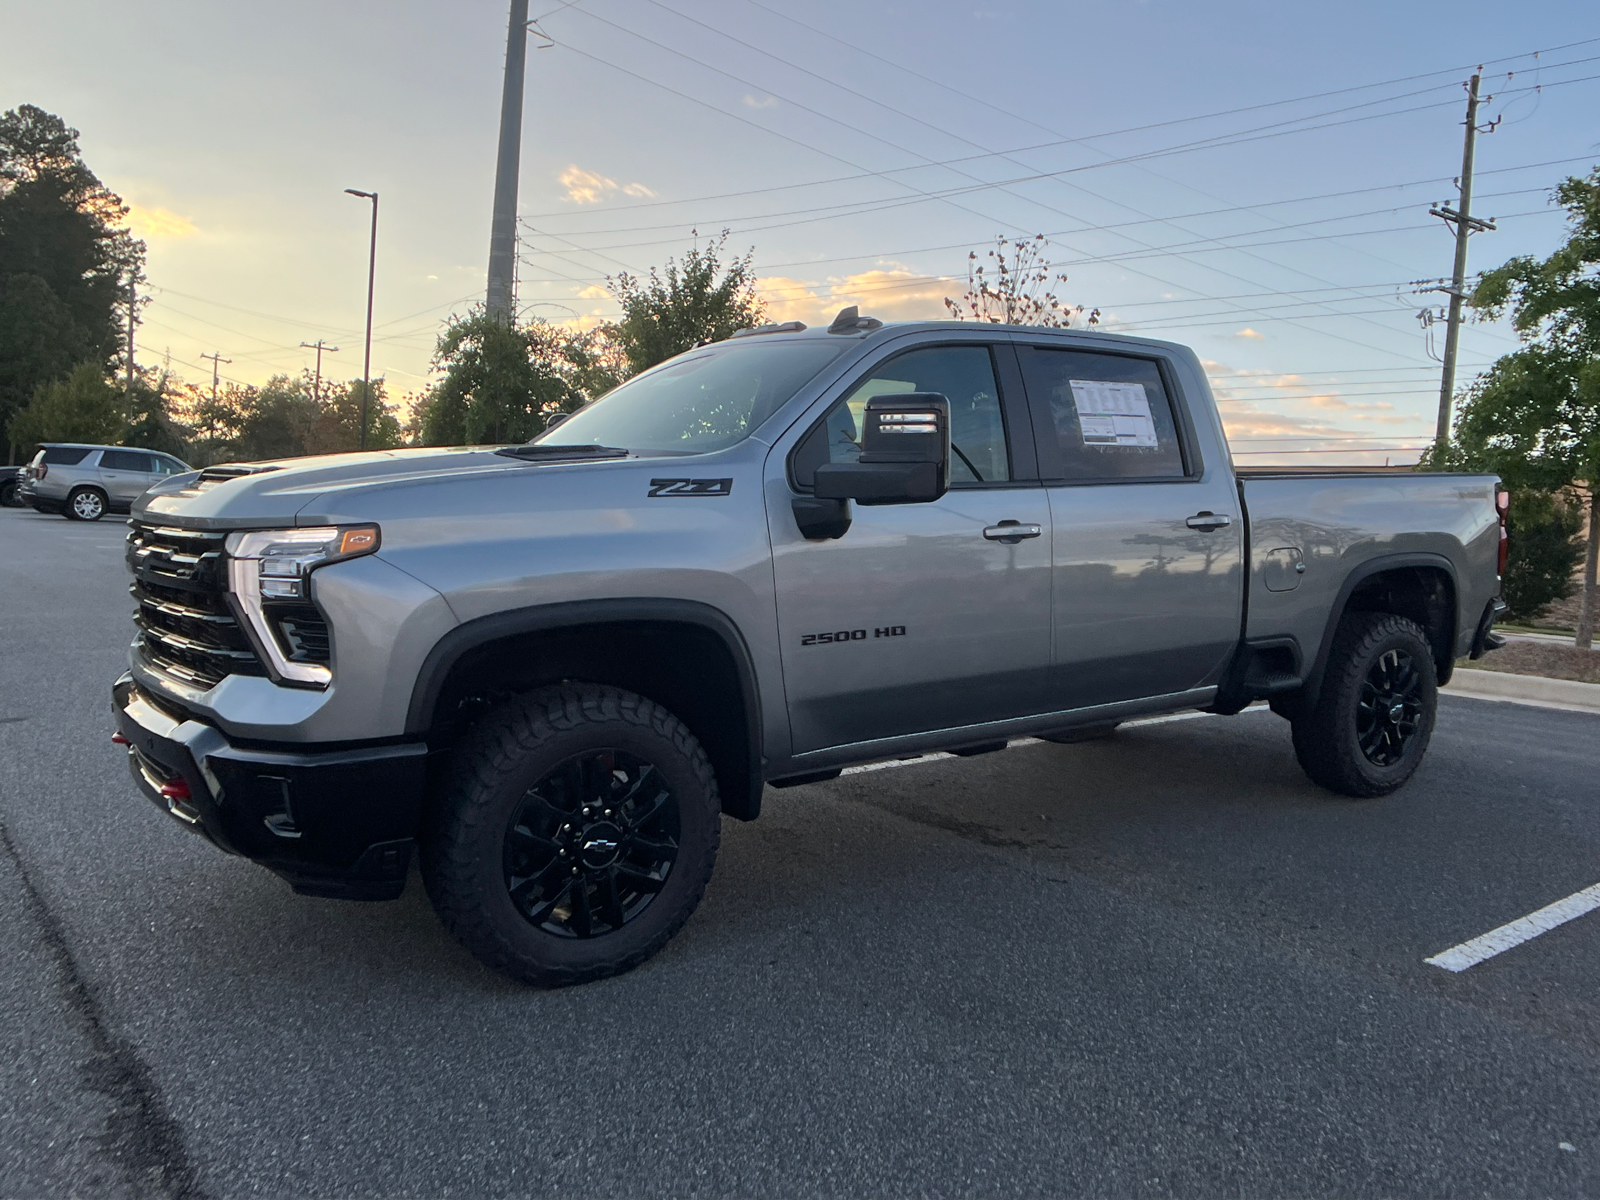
{"x": 339, "y": 823}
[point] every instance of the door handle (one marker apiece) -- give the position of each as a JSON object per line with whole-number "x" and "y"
{"x": 1011, "y": 532}
{"x": 1208, "y": 521}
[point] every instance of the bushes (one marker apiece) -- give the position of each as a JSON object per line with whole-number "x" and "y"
{"x": 1545, "y": 551}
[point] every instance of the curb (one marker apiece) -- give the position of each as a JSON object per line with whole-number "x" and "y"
{"x": 1533, "y": 690}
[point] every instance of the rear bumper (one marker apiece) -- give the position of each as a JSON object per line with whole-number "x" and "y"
{"x": 339, "y": 823}
{"x": 1484, "y": 639}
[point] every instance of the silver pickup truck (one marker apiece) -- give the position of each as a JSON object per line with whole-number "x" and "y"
{"x": 550, "y": 669}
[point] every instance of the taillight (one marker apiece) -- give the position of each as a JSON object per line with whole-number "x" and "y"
{"x": 40, "y": 471}
{"x": 1502, "y": 506}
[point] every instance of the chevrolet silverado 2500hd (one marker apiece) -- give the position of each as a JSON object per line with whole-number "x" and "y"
{"x": 549, "y": 670}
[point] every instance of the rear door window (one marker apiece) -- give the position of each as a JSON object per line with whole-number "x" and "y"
{"x": 169, "y": 466}
{"x": 62, "y": 456}
{"x": 1101, "y": 416}
{"x": 126, "y": 460}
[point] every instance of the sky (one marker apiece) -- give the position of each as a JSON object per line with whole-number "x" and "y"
{"x": 1251, "y": 179}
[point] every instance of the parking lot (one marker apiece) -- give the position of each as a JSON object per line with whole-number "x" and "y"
{"x": 1163, "y": 964}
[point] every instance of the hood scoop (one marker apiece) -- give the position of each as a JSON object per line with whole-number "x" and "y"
{"x": 545, "y": 453}
{"x": 211, "y": 476}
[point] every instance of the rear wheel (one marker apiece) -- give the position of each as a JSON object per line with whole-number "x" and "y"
{"x": 576, "y": 837}
{"x": 1375, "y": 714}
{"x": 86, "y": 504}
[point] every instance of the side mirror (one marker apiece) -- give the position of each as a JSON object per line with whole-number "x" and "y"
{"x": 905, "y": 454}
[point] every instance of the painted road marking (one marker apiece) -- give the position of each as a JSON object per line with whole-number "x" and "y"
{"x": 936, "y": 755}
{"x": 1497, "y": 941}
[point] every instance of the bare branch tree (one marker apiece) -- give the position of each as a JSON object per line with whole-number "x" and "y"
{"x": 1015, "y": 288}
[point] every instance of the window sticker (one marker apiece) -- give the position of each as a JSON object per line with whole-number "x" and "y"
{"x": 1113, "y": 414}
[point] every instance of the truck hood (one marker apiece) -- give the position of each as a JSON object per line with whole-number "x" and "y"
{"x": 240, "y": 495}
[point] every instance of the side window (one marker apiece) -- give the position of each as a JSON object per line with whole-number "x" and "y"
{"x": 64, "y": 456}
{"x": 962, "y": 374}
{"x": 125, "y": 460}
{"x": 169, "y": 466}
{"x": 1111, "y": 414}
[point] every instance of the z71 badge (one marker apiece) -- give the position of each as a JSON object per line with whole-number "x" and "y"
{"x": 691, "y": 487}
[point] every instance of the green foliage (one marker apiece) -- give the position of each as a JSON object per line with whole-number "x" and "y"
{"x": 83, "y": 407}
{"x": 282, "y": 419}
{"x": 501, "y": 381}
{"x": 64, "y": 259}
{"x": 149, "y": 419}
{"x": 1534, "y": 416}
{"x": 684, "y": 306}
{"x": 1545, "y": 550}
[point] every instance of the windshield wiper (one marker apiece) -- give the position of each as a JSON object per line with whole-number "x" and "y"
{"x": 534, "y": 453}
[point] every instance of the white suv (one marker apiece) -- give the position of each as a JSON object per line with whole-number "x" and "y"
{"x": 85, "y": 482}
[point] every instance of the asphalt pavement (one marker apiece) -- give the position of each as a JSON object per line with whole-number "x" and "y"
{"x": 1159, "y": 965}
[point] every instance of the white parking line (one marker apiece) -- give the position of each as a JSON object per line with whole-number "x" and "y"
{"x": 1028, "y": 741}
{"x": 1497, "y": 941}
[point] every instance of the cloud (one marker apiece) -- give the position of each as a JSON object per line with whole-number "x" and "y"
{"x": 750, "y": 101}
{"x": 594, "y": 292}
{"x": 890, "y": 293}
{"x": 159, "y": 223}
{"x": 585, "y": 187}
{"x": 1251, "y": 335}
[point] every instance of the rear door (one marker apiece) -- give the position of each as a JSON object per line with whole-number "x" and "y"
{"x": 126, "y": 474}
{"x": 922, "y": 616}
{"x": 1147, "y": 540}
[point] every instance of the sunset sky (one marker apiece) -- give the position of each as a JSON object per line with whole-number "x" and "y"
{"x": 1250, "y": 178}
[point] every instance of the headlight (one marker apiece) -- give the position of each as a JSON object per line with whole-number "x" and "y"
{"x": 269, "y": 572}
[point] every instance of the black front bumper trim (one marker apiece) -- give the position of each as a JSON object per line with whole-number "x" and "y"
{"x": 336, "y": 823}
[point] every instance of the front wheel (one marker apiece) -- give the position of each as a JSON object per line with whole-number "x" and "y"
{"x": 576, "y": 836}
{"x": 1375, "y": 714}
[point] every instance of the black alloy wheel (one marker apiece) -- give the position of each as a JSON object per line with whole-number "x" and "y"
{"x": 1373, "y": 717}
{"x": 592, "y": 844}
{"x": 574, "y": 833}
{"x": 1389, "y": 712}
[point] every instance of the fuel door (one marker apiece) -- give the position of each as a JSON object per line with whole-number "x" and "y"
{"x": 1281, "y": 569}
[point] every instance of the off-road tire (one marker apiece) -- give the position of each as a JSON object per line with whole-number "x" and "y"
{"x": 497, "y": 766}
{"x": 85, "y": 504}
{"x": 1327, "y": 738}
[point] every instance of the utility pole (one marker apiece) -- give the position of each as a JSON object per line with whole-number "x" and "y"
{"x": 1465, "y": 225}
{"x": 319, "y": 347}
{"x": 127, "y": 392}
{"x": 372, "y": 275}
{"x": 216, "y": 366}
{"x": 503, "y": 227}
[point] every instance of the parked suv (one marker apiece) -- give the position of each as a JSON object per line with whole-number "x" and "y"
{"x": 85, "y": 482}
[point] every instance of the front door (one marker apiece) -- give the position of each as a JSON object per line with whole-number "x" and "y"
{"x": 1147, "y": 539}
{"x": 922, "y": 616}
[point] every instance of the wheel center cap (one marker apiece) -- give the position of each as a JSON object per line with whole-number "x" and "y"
{"x": 600, "y": 845}
{"x": 1397, "y": 710}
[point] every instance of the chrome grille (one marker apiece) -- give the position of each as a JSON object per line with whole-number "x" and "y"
{"x": 180, "y": 586}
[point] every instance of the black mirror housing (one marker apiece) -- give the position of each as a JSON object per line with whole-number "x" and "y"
{"x": 905, "y": 453}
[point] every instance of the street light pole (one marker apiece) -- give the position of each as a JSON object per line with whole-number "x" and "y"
{"x": 372, "y": 274}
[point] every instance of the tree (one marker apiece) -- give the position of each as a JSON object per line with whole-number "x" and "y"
{"x": 1545, "y": 550}
{"x": 81, "y": 408}
{"x": 1015, "y": 288}
{"x": 684, "y": 305}
{"x": 283, "y": 419}
{"x": 65, "y": 260}
{"x": 1535, "y": 415}
{"x": 500, "y": 381}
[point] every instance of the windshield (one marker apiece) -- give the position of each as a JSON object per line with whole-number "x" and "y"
{"x": 700, "y": 401}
